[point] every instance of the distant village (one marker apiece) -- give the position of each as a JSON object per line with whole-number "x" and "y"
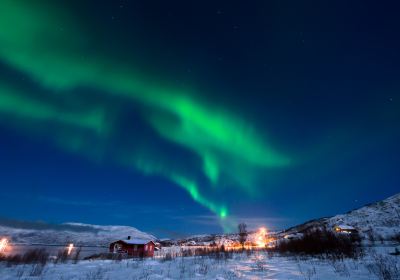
{"x": 367, "y": 237}
{"x": 143, "y": 248}
{"x": 260, "y": 239}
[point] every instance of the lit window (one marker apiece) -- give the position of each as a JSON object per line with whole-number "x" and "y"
{"x": 145, "y": 247}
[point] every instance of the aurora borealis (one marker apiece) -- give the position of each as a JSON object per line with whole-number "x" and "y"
{"x": 249, "y": 116}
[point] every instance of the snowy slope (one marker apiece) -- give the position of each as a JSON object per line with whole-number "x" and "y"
{"x": 382, "y": 219}
{"x": 77, "y": 233}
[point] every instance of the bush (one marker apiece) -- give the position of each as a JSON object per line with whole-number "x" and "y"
{"x": 77, "y": 255}
{"x": 38, "y": 256}
{"x": 13, "y": 260}
{"x": 167, "y": 257}
{"x": 106, "y": 256}
{"x": 62, "y": 256}
{"x": 384, "y": 267}
{"x": 322, "y": 242}
{"x": 33, "y": 256}
{"x": 219, "y": 253}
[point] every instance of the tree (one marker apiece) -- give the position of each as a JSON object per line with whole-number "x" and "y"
{"x": 242, "y": 227}
{"x": 213, "y": 239}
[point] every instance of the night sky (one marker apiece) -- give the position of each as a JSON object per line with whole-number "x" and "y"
{"x": 186, "y": 117}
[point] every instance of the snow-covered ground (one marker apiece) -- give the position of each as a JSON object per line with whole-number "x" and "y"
{"x": 258, "y": 265}
{"x": 377, "y": 223}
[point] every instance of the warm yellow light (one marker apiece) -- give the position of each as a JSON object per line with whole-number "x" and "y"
{"x": 261, "y": 237}
{"x": 3, "y": 244}
{"x": 70, "y": 247}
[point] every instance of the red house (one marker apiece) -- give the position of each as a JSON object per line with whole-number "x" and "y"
{"x": 133, "y": 247}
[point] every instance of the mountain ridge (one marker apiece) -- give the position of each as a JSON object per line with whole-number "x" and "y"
{"x": 380, "y": 219}
{"x": 72, "y": 232}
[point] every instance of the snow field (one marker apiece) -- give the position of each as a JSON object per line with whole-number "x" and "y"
{"x": 259, "y": 265}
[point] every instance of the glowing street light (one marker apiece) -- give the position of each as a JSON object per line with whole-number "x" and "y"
{"x": 3, "y": 244}
{"x": 261, "y": 237}
{"x": 70, "y": 247}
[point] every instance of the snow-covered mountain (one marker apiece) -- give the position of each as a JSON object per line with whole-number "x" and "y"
{"x": 77, "y": 233}
{"x": 379, "y": 219}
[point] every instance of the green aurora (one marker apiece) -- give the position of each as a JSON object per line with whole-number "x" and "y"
{"x": 52, "y": 50}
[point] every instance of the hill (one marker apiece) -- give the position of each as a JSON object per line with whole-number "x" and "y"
{"x": 61, "y": 234}
{"x": 377, "y": 220}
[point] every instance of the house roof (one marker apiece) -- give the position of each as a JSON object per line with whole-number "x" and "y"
{"x": 135, "y": 241}
{"x": 293, "y": 235}
{"x": 346, "y": 227}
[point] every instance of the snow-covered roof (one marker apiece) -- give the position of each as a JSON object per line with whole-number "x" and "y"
{"x": 135, "y": 241}
{"x": 345, "y": 227}
{"x": 293, "y": 235}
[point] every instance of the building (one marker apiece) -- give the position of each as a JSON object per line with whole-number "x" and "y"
{"x": 133, "y": 247}
{"x": 293, "y": 236}
{"x": 344, "y": 229}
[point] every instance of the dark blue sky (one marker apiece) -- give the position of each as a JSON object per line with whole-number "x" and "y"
{"x": 111, "y": 111}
